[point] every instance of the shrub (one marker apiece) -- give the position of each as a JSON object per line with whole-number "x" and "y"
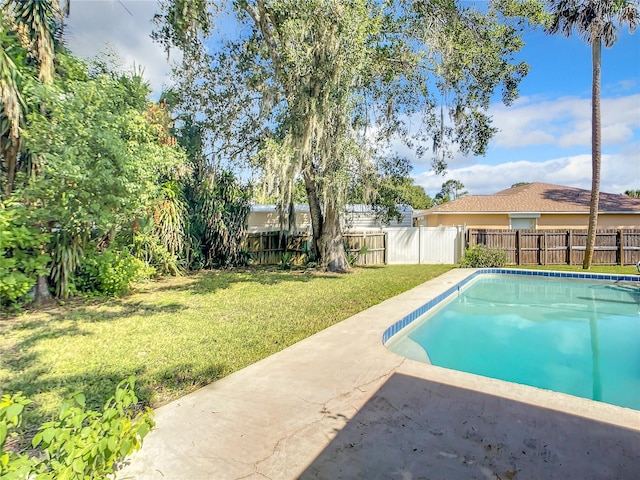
{"x": 219, "y": 206}
{"x": 153, "y": 253}
{"x": 481, "y": 256}
{"x": 110, "y": 272}
{"x": 81, "y": 443}
{"x": 21, "y": 255}
{"x": 353, "y": 257}
{"x": 308, "y": 255}
{"x": 287, "y": 261}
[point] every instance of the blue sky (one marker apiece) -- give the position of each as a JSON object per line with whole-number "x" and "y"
{"x": 544, "y": 136}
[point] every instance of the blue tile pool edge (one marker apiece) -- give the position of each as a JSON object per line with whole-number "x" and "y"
{"x": 410, "y": 318}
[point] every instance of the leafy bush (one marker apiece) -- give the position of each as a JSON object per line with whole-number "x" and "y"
{"x": 245, "y": 257}
{"x": 147, "y": 247}
{"x": 308, "y": 255}
{"x": 21, "y": 255}
{"x": 481, "y": 256}
{"x": 286, "y": 261}
{"x": 353, "y": 257}
{"x": 67, "y": 248}
{"x": 169, "y": 218}
{"x": 81, "y": 443}
{"x": 110, "y": 272}
{"x": 219, "y": 208}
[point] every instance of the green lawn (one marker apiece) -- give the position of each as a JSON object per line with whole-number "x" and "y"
{"x": 181, "y": 333}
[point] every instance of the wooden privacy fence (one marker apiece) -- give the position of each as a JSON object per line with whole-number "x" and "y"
{"x": 556, "y": 247}
{"x": 372, "y": 244}
{"x": 268, "y": 247}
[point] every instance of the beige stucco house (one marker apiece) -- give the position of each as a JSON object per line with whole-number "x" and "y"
{"x": 533, "y": 206}
{"x": 266, "y": 218}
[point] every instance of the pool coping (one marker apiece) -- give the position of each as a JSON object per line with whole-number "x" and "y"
{"x": 394, "y": 329}
{"x": 287, "y": 416}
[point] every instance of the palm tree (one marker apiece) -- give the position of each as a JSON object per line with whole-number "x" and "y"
{"x": 11, "y": 102}
{"x": 596, "y": 21}
{"x": 30, "y": 23}
{"x": 10, "y": 96}
{"x": 35, "y": 21}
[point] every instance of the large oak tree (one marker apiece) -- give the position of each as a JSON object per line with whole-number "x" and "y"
{"x": 311, "y": 89}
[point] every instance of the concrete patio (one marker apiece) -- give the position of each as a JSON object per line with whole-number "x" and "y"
{"x": 340, "y": 405}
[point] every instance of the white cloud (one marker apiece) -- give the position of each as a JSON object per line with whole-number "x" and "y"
{"x": 564, "y": 122}
{"x": 127, "y": 26}
{"x": 621, "y": 86}
{"x": 561, "y": 124}
{"x": 620, "y": 172}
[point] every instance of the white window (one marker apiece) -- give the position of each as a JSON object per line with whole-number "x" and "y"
{"x": 523, "y": 222}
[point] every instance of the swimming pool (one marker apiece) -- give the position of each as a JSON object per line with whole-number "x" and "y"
{"x": 572, "y": 333}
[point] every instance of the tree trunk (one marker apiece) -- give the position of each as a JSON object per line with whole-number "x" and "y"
{"x": 596, "y": 50}
{"x": 41, "y": 290}
{"x": 108, "y": 239}
{"x": 314, "y": 209}
{"x": 334, "y": 257}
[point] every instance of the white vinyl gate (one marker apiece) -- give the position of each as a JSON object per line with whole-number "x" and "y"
{"x": 428, "y": 245}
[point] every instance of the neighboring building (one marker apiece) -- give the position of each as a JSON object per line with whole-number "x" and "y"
{"x": 362, "y": 218}
{"x": 266, "y": 218}
{"x": 533, "y": 206}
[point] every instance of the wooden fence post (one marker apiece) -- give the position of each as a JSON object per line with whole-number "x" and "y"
{"x": 384, "y": 253}
{"x": 569, "y": 244}
{"x": 518, "y": 251}
{"x": 621, "y": 248}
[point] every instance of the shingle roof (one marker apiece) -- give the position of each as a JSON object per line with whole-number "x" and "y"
{"x": 540, "y": 198}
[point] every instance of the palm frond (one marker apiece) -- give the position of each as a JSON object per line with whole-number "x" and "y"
{"x": 35, "y": 22}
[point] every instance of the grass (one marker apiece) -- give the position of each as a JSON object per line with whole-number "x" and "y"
{"x": 179, "y": 334}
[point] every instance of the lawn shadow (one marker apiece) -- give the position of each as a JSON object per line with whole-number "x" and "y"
{"x": 90, "y": 313}
{"x": 21, "y": 360}
{"x": 413, "y": 428}
{"x": 19, "y": 357}
{"x": 168, "y": 385}
{"x": 23, "y": 369}
{"x": 210, "y": 281}
{"x": 99, "y": 385}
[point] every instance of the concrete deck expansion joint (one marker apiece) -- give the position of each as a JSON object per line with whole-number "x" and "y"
{"x": 339, "y": 405}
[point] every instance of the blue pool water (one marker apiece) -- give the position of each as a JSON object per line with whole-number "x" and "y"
{"x": 580, "y": 337}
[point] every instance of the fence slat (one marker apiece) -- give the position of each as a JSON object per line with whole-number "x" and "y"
{"x": 556, "y": 247}
{"x": 268, "y": 247}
